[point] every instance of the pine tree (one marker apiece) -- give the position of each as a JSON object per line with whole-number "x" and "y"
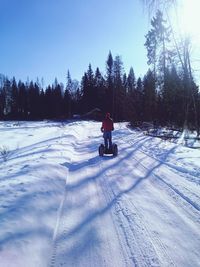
{"x": 99, "y": 85}
{"x": 23, "y": 100}
{"x": 88, "y": 90}
{"x": 67, "y": 96}
{"x": 7, "y": 91}
{"x": 131, "y": 81}
{"x": 49, "y": 103}
{"x": 183, "y": 53}
{"x": 130, "y": 104}
{"x": 172, "y": 99}
{"x": 91, "y": 88}
{"x": 139, "y": 100}
{"x": 33, "y": 100}
{"x": 42, "y": 104}
{"x": 14, "y": 101}
{"x": 149, "y": 95}
{"x": 2, "y": 96}
{"x": 67, "y": 111}
{"x": 84, "y": 93}
{"x": 57, "y": 99}
{"x": 109, "y": 93}
{"x": 156, "y": 43}
{"x": 119, "y": 92}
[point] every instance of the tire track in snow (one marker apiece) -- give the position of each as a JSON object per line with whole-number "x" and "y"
{"x": 132, "y": 217}
{"x": 179, "y": 205}
{"x": 109, "y": 199}
{"x": 134, "y": 228}
{"x": 154, "y": 239}
{"x": 55, "y": 235}
{"x": 87, "y": 218}
{"x": 169, "y": 186}
{"x": 136, "y": 241}
{"x": 130, "y": 230}
{"x": 177, "y": 191}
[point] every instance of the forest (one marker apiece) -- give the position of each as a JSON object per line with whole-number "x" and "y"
{"x": 166, "y": 95}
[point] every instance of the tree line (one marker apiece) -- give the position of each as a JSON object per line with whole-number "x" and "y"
{"x": 167, "y": 94}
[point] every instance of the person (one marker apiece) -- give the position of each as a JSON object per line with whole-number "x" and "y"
{"x": 107, "y": 128}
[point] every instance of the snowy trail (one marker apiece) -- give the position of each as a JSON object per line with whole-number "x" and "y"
{"x": 124, "y": 212}
{"x": 85, "y": 234}
{"x": 63, "y": 205}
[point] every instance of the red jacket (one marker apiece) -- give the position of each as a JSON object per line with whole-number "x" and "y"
{"x": 107, "y": 124}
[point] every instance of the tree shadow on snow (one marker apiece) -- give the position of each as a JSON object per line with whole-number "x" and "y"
{"x": 106, "y": 183}
{"x": 84, "y": 231}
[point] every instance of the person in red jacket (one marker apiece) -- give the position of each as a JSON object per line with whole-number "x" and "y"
{"x": 107, "y": 128}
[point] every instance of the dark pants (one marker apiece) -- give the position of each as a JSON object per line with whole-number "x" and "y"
{"x": 107, "y": 135}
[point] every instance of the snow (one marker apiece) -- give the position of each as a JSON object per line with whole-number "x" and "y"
{"x": 63, "y": 205}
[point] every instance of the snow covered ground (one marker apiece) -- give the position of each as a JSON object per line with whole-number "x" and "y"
{"x": 63, "y": 205}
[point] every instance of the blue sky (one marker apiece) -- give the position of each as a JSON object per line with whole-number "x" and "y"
{"x": 45, "y": 38}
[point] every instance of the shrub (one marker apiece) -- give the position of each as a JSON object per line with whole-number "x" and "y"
{"x": 4, "y": 152}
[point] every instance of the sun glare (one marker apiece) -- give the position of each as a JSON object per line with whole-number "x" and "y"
{"x": 189, "y": 18}
{"x": 185, "y": 20}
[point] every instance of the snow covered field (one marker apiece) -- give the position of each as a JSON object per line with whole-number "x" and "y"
{"x": 63, "y": 205}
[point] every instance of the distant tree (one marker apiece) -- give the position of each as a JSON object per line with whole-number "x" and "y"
{"x": 151, "y": 46}
{"x": 139, "y": 100}
{"x": 14, "y": 101}
{"x": 125, "y": 82}
{"x": 72, "y": 96}
{"x": 57, "y": 99}
{"x": 172, "y": 104}
{"x": 7, "y": 93}
{"x": 2, "y": 96}
{"x": 49, "y": 103}
{"x": 84, "y": 93}
{"x": 119, "y": 92}
{"x": 42, "y": 104}
{"x": 198, "y": 114}
{"x": 139, "y": 85}
{"x": 156, "y": 43}
{"x": 189, "y": 85}
{"x": 130, "y": 89}
{"x": 67, "y": 109}
{"x": 99, "y": 85}
{"x": 88, "y": 90}
{"x": 77, "y": 101}
{"x": 91, "y": 88}
{"x": 69, "y": 82}
{"x": 23, "y": 100}
{"x": 131, "y": 81}
{"x": 183, "y": 52}
{"x": 149, "y": 94}
{"x": 153, "y": 5}
{"x": 193, "y": 107}
{"x": 33, "y": 100}
{"x": 109, "y": 92}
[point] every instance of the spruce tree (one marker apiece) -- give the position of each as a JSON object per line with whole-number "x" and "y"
{"x": 99, "y": 85}
{"x": 2, "y": 96}
{"x": 157, "y": 39}
{"x": 14, "y": 102}
{"x": 23, "y": 100}
{"x": 149, "y": 95}
{"x": 33, "y": 100}
{"x": 109, "y": 92}
{"x": 119, "y": 92}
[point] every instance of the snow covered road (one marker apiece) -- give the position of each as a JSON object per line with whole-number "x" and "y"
{"x": 141, "y": 208}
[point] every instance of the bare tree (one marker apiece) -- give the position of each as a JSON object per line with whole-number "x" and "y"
{"x": 183, "y": 51}
{"x": 153, "y": 5}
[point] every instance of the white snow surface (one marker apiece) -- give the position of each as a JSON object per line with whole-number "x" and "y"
{"x": 63, "y": 205}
